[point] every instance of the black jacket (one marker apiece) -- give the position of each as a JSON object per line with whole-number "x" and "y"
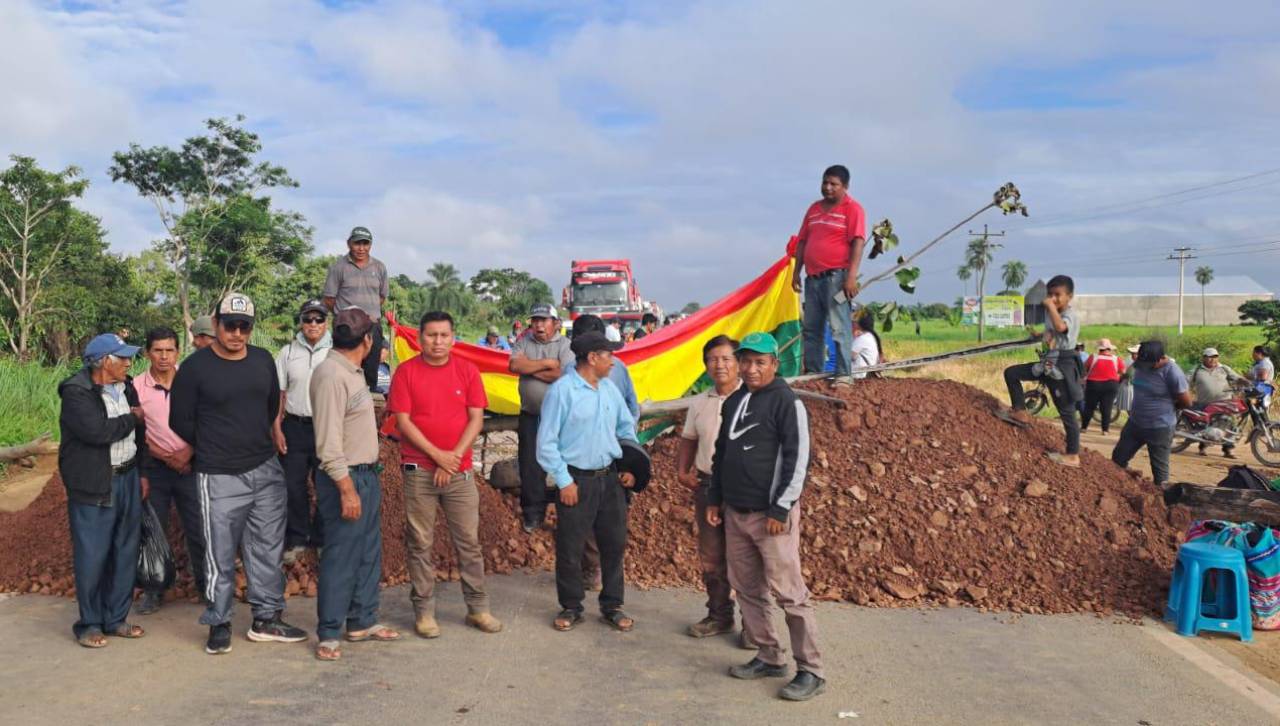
{"x": 762, "y": 452}
{"x": 84, "y": 454}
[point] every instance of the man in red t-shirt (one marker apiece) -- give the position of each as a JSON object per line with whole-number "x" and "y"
{"x": 439, "y": 403}
{"x": 829, "y": 252}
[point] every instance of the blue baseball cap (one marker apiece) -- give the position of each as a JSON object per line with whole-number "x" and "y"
{"x": 107, "y": 344}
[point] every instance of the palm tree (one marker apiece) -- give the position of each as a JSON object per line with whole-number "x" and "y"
{"x": 964, "y": 272}
{"x": 1014, "y": 273}
{"x": 446, "y": 290}
{"x": 1204, "y": 276}
{"x": 978, "y": 257}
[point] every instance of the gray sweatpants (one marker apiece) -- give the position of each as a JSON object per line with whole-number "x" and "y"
{"x": 244, "y": 512}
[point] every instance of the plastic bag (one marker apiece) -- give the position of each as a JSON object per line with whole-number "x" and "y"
{"x": 155, "y": 557}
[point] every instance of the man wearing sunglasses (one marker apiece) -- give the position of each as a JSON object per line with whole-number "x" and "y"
{"x": 224, "y": 402}
{"x": 359, "y": 280}
{"x": 295, "y": 436}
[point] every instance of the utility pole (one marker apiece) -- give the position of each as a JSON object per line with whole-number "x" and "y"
{"x": 1181, "y": 254}
{"x": 983, "y": 257}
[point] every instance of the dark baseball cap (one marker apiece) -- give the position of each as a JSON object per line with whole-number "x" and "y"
{"x": 543, "y": 310}
{"x": 352, "y": 323}
{"x": 592, "y": 342}
{"x": 360, "y": 233}
{"x": 236, "y": 306}
{"x": 314, "y": 305}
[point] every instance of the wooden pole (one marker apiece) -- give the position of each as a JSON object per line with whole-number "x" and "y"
{"x": 1232, "y": 505}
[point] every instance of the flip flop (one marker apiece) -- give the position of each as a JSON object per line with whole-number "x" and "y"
{"x": 89, "y": 641}
{"x": 329, "y": 650}
{"x": 1007, "y": 416}
{"x": 379, "y": 632}
{"x": 1057, "y": 458}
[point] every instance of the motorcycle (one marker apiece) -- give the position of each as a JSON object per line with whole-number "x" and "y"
{"x": 1226, "y": 423}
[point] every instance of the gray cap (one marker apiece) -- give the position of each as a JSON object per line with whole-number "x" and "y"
{"x": 360, "y": 233}
{"x": 543, "y": 310}
{"x": 202, "y": 325}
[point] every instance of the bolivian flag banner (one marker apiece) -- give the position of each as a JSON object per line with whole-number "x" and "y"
{"x": 667, "y": 363}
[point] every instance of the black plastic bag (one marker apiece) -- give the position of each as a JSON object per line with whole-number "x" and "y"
{"x": 155, "y": 557}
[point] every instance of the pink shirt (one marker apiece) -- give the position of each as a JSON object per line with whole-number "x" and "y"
{"x": 828, "y": 234}
{"x": 154, "y": 400}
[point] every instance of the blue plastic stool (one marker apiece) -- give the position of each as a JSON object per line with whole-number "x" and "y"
{"x": 1224, "y": 609}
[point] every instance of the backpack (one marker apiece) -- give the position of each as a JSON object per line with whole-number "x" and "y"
{"x": 1243, "y": 477}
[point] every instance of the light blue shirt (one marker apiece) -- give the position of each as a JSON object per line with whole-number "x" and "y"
{"x": 621, "y": 378}
{"x": 581, "y": 426}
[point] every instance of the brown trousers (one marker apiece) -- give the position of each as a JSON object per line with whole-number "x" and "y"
{"x": 460, "y": 501}
{"x": 765, "y": 568}
{"x": 711, "y": 557}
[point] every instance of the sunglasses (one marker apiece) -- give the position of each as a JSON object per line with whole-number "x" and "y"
{"x": 237, "y": 326}
{"x": 313, "y": 319}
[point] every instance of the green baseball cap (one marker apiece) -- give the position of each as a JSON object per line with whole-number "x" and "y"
{"x": 360, "y": 233}
{"x": 759, "y": 342}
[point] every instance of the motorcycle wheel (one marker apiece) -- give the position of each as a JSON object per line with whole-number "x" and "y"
{"x": 1180, "y": 444}
{"x": 1036, "y": 401}
{"x": 1262, "y": 451}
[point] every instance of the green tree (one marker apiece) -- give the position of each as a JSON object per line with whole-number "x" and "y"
{"x": 408, "y": 299}
{"x": 690, "y": 308}
{"x": 1259, "y": 312}
{"x": 191, "y": 188}
{"x": 445, "y": 290}
{"x": 1013, "y": 273}
{"x": 39, "y": 229}
{"x": 512, "y": 291}
{"x": 1204, "y": 276}
{"x": 978, "y": 257}
{"x": 965, "y": 273}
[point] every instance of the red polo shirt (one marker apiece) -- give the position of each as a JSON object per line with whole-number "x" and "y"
{"x": 828, "y": 234}
{"x": 436, "y": 399}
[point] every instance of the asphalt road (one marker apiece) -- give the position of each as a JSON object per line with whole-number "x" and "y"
{"x": 885, "y": 667}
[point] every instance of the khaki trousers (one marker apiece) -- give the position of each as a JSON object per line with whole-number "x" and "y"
{"x": 765, "y": 568}
{"x": 460, "y": 501}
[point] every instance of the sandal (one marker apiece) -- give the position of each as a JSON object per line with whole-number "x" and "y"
{"x": 1057, "y": 458}
{"x": 379, "y": 632}
{"x": 619, "y": 620}
{"x": 127, "y": 630}
{"x": 1007, "y": 416}
{"x": 329, "y": 650}
{"x": 92, "y": 639}
{"x": 566, "y": 620}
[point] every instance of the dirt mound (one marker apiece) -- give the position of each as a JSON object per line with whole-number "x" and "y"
{"x": 916, "y": 495}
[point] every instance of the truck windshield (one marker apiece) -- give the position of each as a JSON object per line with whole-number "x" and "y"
{"x": 603, "y": 293}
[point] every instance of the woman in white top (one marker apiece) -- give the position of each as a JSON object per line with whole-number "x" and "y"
{"x": 866, "y": 350}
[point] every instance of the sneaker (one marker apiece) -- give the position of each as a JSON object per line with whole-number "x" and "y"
{"x": 756, "y": 668}
{"x": 709, "y": 626}
{"x": 426, "y": 626}
{"x": 803, "y": 687}
{"x": 275, "y": 630}
{"x": 219, "y": 639}
{"x": 484, "y": 622}
{"x": 149, "y": 603}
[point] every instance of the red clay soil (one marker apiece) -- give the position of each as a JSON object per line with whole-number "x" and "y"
{"x": 917, "y": 495}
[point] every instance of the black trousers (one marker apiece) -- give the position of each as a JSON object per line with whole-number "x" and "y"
{"x": 533, "y": 478}
{"x": 371, "y": 361}
{"x": 602, "y": 510}
{"x": 302, "y": 528}
{"x": 168, "y": 487}
{"x": 1158, "y": 442}
{"x": 1099, "y": 394}
{"x": 1062, "y": 400}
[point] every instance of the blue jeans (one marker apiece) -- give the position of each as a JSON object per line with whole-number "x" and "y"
{"x": 104, "y": 550}
{"x": 351, "y": 563}
{"x": 821, "y": 309}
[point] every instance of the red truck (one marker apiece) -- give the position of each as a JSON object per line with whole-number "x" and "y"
{"x": 605, "y": 288}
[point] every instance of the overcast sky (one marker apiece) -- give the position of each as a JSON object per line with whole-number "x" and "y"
{"x": 689, "y": 137}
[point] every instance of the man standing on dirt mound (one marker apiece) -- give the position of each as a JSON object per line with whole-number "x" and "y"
{"x": 757, "y": 476}
{"x": 103, "y": 431}
{"x": 828, "y": 254}
{"x": 539, "y": 357}
{"x": 225, "y": 401}
{"x": 358, "y": 279}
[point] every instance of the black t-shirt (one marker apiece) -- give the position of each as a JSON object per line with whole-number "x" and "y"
{"x": 225, "y": 409}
